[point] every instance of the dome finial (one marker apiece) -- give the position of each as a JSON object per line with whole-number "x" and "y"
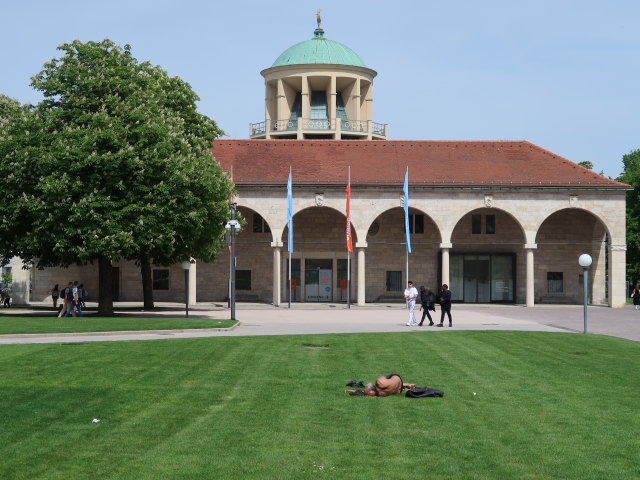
{"x": 318, "y": 32}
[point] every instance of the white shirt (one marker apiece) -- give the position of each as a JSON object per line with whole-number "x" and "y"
{"x": 411, "y": 292}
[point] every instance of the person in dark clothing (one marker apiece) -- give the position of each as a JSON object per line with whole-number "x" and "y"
{"x": 426, "y": 298}
{"x": 636, "y": 296}
{"x": 445, "y": 304}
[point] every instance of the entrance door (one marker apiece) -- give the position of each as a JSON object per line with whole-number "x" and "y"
{"x": 477, "y": 275}
{"x": 478, "y": 278}
{"x": 317, "y": 280}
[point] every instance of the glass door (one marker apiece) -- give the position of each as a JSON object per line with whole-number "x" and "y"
{"x": 317, "y": 280}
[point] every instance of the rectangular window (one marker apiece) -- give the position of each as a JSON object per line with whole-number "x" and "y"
{"x": 416, "y": 223}
{"x": 318, "y": 105}
{"x": 394, "y": 281}
{"x": 259, "y": 225}
{"x": 243, "y": 279}
{"x": 476, "y": 224}
{"x": 554, "y": 282}
{"x": 161, "y": 279}
{"x": 490, "y": 224}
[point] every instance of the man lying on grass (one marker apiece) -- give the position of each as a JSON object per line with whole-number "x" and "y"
{"x": 385, "y": 386}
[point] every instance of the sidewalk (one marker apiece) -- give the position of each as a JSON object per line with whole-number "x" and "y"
{"x": 306, "y": 318}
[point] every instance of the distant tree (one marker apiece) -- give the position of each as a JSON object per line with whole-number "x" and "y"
{"x": 586, "y": 164}
{"x": 631, "y": 175}
{"x": 113, "y": 164}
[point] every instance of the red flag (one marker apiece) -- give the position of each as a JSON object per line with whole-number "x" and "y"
{"x": 349, "y": 243}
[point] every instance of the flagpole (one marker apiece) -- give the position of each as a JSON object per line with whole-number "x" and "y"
{"x": 407, "y": 234}
{"x": 289, "y": 279}
{"x": 290, "y": 226}
{"x": 349, "y": 252}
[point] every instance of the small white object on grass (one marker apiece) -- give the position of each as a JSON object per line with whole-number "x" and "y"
{"x": 97, "y": 420}
{"x": 474, "y": 394}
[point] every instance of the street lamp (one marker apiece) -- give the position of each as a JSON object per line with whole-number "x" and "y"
{"x": 232, "y": 225}
{"x": 585, "y": 262}
{"x": 186, "y": 266}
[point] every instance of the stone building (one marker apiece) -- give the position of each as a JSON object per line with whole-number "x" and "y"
{"x": 499, "y": 221}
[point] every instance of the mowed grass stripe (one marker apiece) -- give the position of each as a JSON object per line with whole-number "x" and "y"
{"x": 547, "y": 406}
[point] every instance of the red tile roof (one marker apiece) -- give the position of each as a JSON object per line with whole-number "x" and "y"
{"x": 382, "y": 163}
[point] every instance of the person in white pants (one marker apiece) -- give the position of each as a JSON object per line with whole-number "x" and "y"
{"x": 410, "y": 295}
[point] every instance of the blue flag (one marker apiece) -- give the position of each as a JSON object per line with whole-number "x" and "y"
{"x": 290, "y": 213}
{"x": 406, "y": 210}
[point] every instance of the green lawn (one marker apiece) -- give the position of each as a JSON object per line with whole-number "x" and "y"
{"x": 52, "y": 324}
{"x": 548, "y": 406}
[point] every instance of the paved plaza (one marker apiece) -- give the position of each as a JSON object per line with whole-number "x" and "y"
{"x": 306, "y": 318}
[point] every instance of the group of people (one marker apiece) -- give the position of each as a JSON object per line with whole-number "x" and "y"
{"x": 72, "y": 299}
{"x": 428, "y": 300}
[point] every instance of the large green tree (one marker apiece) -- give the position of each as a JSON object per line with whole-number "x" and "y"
{"x": 631, "y": 175}
{"x": 113, "y": 164}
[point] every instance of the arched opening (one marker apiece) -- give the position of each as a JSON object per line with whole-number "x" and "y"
{"x": 253, "y": 267}
{"x": 561, "y": 239}
{"x": 386, "y": 275}
{"x": 487, "y": 262}
{"x": 321, "y": 268}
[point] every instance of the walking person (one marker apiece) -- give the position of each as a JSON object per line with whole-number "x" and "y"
{"x": 67, "y": 294}
{"x": 55, "y": 294}
{"x": 636, "y": 296}
{"x": 74, "y": 306}
{"x": 82, "y": 295}
{"x": 410, "y": 295}
{"x": 445, "y": 304}
{"x": 426, "y": 298}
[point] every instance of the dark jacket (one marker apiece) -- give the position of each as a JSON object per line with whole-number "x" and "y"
{"x": 445, "y": 297}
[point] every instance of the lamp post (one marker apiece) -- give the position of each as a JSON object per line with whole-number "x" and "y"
{"x": 186, "y": 266}
{"x": 585, "y": 262}
{"x": 232, "y": 225}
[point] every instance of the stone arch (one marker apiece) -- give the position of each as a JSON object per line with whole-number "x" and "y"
{"x": 319, "y": 225}
{"x": 387, "y": 253}
{"x": 487, "y": 259}
{"x": 561, "y": 238}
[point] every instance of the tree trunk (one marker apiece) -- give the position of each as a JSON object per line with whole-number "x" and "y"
{"x": 147, "y": 284}
{"x": 105, "y": 294}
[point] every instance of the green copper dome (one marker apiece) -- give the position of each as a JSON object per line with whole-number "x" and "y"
{"x": 319, "y": 50}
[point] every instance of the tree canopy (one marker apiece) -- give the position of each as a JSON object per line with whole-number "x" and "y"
{"x": 113, "y": 164}
{"x": 631, "y": 175}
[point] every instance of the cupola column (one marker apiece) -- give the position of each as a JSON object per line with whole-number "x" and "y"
{"x": 282, "y": 108}
{"x": 332, "y": 99}
{"x": 306, "y": 98}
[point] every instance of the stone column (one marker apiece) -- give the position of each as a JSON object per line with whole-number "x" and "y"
{"x": 281, "y": 103}
{"x": 277, "y": 281}
{"x": 360, "y": 247}
{"x": 617, "y": 274}
{"x": 332, "y": 100}
{"x": 530, "y": 293}
{"x": 445, "y": 261}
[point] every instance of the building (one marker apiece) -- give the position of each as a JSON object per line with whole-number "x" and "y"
{"x": 499, "y": 221}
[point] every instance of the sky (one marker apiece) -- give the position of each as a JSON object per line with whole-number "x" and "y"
{"x": 562, "y": 74}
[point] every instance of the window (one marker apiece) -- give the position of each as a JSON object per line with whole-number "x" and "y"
{"x": 161, "y": 279}
{"x": 318, "y": 105}
{"x": 490, "y": 225}
{"x": 394, "y": 281}
{"x": 476, "y": 224}
{"x": 243, "y": 279}
{"x": 416, "y": 223}
{"x": 554, "y": 282}
{"x": 259, "y": 224}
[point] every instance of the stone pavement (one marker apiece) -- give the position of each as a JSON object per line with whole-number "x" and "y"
{"x": 305, "y": 318}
